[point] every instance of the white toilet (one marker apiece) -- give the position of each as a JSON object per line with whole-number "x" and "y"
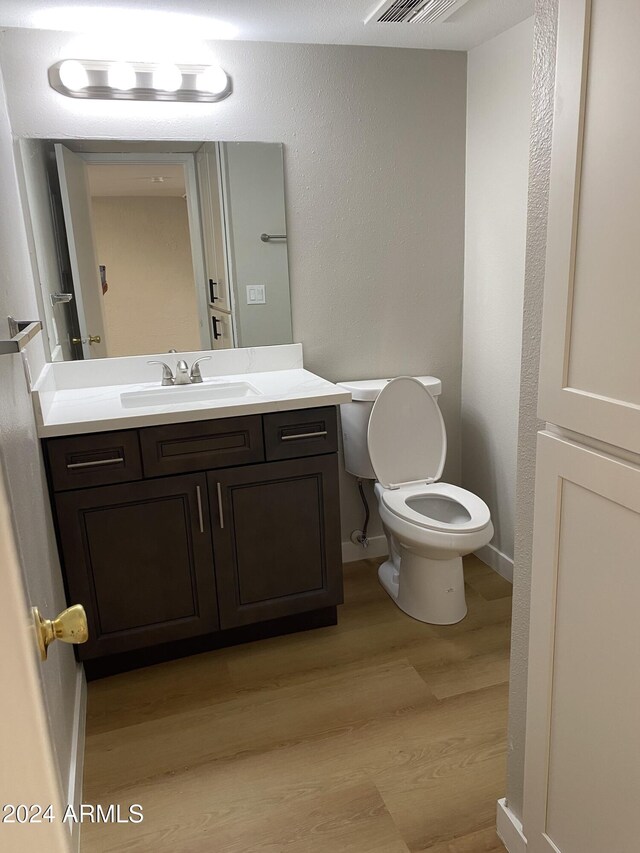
{"x": 393, "y": 432}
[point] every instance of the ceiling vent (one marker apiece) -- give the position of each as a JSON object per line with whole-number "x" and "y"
{"x": 413, "y": 11}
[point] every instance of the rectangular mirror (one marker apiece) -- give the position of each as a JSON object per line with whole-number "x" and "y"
{"x": 144, "y": 247}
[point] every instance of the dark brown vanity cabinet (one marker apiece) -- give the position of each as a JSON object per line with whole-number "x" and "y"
{"x": 138, "y": 557}
{"x": 174, "y": 532}
{"x": 274, "y": 534}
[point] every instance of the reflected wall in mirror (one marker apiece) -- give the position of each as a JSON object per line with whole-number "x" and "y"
{"x": 145, "y": 247}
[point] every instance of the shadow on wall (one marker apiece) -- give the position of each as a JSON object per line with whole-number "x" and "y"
{"x": 352, "y": 511}
{"x": 478, "y": 474}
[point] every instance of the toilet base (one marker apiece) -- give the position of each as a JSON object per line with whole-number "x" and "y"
{"x": 428, "y": 590}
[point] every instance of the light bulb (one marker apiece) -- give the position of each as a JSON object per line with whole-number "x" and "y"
{"x": 212, "y": 80}
{"x": 73, "y": 75}
{"x": 121, "y": 76}
{"x": 167, "y": 78}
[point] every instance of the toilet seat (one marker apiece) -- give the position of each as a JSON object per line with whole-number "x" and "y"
{"x": 399, "y": 503}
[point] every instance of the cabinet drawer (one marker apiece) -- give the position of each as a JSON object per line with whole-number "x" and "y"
{"x": 94, "y": 460}
{"x": 180, "y": 448}
{"x": 308, "y": 432}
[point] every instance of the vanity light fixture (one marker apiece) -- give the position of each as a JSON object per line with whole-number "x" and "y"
{"x": 212, "y": 80}
{"x": 73, "y": 75}
{"x": 121, "y": 76}
{"x": 139, "y": 81}
{"x": 168, "y": 78}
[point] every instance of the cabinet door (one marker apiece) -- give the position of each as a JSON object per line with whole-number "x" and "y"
{"x": 276, "y": 535}
{"x": 213, "y": 227}
{"x": 139, "y": 558}
{"x": 582, "y": 769}
{"x": 221, "y": 329}
{"x": 589, "y": 374}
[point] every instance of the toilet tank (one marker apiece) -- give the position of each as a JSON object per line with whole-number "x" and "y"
{"x": 355, "y": 420}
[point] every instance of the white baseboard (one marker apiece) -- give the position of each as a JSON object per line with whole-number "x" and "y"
{"x": 76, "y": 768}
{"x": 377, "y": 548}
{"x": 510, "y": 829}
{"x": 498, "y": 561}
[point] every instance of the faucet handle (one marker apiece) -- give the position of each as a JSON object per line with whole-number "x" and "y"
{"x": 195, "y": 374}
{"x": 167, "y": 375}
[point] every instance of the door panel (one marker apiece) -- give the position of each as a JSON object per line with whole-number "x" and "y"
{"x": 592, "y": 300}
{"x": 221, "y": 329}
{"x": 582, "y": 750}
{"x": 197, "y": 446}
{"x": 276, "y": 532}
{"x": 138, "y": 557}
{"x": 76, "y": 204}
{"x": 212, "y": 227}
{"x": 33, "y": 757}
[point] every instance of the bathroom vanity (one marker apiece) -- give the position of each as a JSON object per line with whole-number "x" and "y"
{"x": 201, "y": 525}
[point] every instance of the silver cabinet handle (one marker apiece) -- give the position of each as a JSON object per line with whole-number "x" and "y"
{"x": 200, "y": 518}
{"x": 97, "y": 463}
{"x": 220, "y": 510}
{"x": 304, "y": 435}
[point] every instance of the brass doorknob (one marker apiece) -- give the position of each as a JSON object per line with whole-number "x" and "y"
{"x": 92, "y": 339}
{"x": 70, "y": 627}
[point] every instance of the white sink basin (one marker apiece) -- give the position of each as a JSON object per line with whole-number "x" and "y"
{"x": 176, "y": 395}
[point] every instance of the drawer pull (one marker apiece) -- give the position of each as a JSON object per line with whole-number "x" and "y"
{"x": 220, "y": 510}
{"x": 95, "y": 464}
{"x": 200, "y": 518}
{"x": 299, "y": 435}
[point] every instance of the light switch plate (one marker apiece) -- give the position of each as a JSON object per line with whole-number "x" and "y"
{"x": 256, "y": 294}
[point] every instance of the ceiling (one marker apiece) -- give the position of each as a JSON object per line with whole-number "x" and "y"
{"x": 120, "y": 179}
{"x": 302, "y": 21}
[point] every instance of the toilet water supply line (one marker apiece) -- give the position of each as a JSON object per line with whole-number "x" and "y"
{"x": 361, "y": 535}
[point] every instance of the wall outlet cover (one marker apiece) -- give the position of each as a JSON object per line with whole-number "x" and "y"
{"x": 256, "y": 294}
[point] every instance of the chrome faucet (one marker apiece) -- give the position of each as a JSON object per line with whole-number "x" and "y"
{"x": 183, "y": 375}
{"x": 194, "y": 373}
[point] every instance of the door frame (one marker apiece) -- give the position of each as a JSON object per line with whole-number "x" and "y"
{"x": 223, "y": 200}
{"x": 187, "y": 161}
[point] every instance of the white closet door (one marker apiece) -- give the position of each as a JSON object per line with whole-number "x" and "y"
{"x": 218, "y": 294}
{"x": 582, "y": 778}
{"x": 590, "y": 363}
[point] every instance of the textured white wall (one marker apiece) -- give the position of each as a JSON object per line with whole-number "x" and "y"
{"x": 375, "y": 159}
{"x": 21, "y": 461}
{"x": 150, "y": 304}
{"x": 539, "y": 170}
{"x": 498, "y": 126}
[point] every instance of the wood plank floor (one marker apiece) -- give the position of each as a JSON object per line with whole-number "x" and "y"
{"x": 379, "y": 735}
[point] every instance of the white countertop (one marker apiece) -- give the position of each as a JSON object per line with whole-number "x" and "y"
{"x": 97, "y": 408}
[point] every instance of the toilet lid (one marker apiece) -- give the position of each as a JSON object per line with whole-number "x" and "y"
{"x": 406, "y": 437}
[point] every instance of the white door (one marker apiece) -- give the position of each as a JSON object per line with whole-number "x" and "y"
{"x": 582, "y": 768}
{"x": 582, "y": 780}
{"x": 76, "y": 204}
{"x": 212, "y": 227}
{"x": 590, "y": 362}
{"x": 28, "y": 767}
